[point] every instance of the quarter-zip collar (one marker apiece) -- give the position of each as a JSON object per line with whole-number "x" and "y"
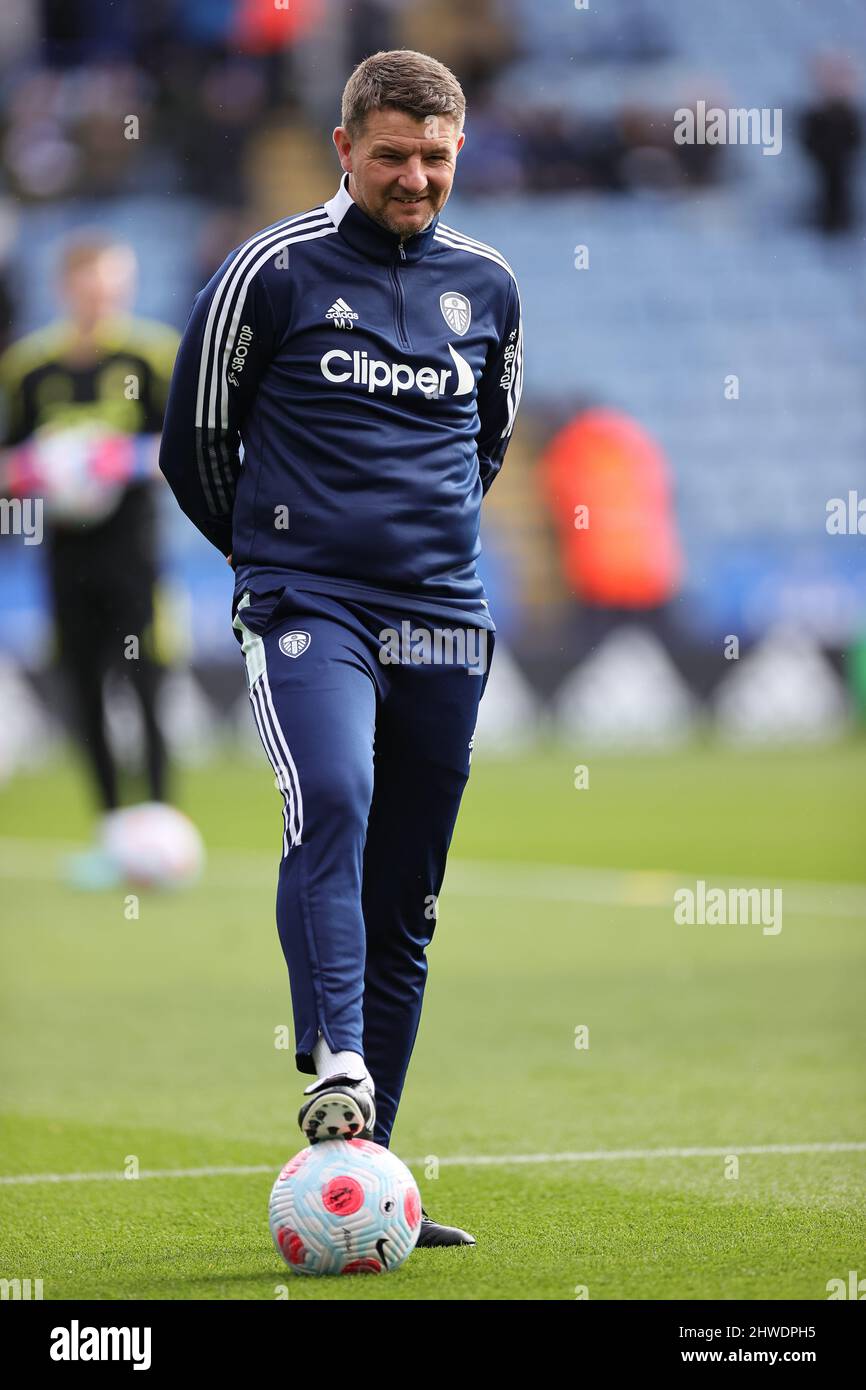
{"x": 366, "y": 236}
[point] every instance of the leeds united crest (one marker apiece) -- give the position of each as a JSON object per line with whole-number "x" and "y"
{"x": 456, "y": 311}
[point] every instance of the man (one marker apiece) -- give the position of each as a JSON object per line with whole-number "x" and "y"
{"x": 369, "y": 357}
{"x": 831, "y": 132}
{"x": 83, "y": 401}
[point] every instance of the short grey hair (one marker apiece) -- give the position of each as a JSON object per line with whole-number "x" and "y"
{"x": 406, "y": 81}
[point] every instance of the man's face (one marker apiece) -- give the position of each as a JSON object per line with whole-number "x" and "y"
{"x": 401, "y": 168}
{"x": 101, "y": 286}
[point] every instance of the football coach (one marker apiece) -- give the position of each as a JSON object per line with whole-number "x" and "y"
{"x": 342, "y": 400}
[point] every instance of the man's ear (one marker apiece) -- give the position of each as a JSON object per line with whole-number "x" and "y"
{"x": 461, "y": 142}
{"x": 344, "y": 147}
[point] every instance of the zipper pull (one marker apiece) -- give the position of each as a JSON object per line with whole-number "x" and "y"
{"x": 402, "y": 252}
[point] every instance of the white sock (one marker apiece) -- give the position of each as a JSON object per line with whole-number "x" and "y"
{"x": 328, "y": 1063}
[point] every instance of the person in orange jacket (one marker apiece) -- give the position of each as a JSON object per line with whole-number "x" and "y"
{"x": 608, "y": 488}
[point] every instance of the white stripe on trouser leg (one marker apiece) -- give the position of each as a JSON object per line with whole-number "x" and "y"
{"x": 270, "y": 733}
{"x": 283, "y": 749}
{"x": 284, "y": 767}
{"x": 281, "y": 775}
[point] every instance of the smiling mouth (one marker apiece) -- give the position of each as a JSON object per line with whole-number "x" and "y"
{"x": 410, "y": 202}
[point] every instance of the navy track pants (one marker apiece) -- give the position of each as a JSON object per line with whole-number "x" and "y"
{"x": 371, "y": 759}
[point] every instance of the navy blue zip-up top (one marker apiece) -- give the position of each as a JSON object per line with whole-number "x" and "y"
{"x": 341, "y": 403}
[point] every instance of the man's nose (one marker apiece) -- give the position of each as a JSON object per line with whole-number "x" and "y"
{"x": 413, "y": 180}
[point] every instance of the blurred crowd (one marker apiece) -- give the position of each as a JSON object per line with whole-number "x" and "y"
{"x": 207, "y": 80}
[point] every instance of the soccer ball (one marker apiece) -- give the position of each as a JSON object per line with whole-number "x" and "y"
{"x": 81, "y": 472}
{"x": 153, "y": 845}
{"x": 345, "y": 1206}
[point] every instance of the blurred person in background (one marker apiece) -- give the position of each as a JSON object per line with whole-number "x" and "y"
{"x": 8, "y": 229}
{"x": 479, "y": 40}
{"x": 608, "y": 489}
{"x": 831, "y": 130}
{"x": 83, "y": 403}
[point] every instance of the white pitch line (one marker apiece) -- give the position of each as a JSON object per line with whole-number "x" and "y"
{"x": 639, "y": 888}
{"x": 456, "y": 1161}
{"x": 33, "y": 1179}
{"x": 616, "y": 1155}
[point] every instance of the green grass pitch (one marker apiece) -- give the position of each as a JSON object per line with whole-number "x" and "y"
{"x": 153, "y": 1039}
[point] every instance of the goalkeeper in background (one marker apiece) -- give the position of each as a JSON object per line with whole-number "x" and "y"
{"x": 82, "y": 410}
